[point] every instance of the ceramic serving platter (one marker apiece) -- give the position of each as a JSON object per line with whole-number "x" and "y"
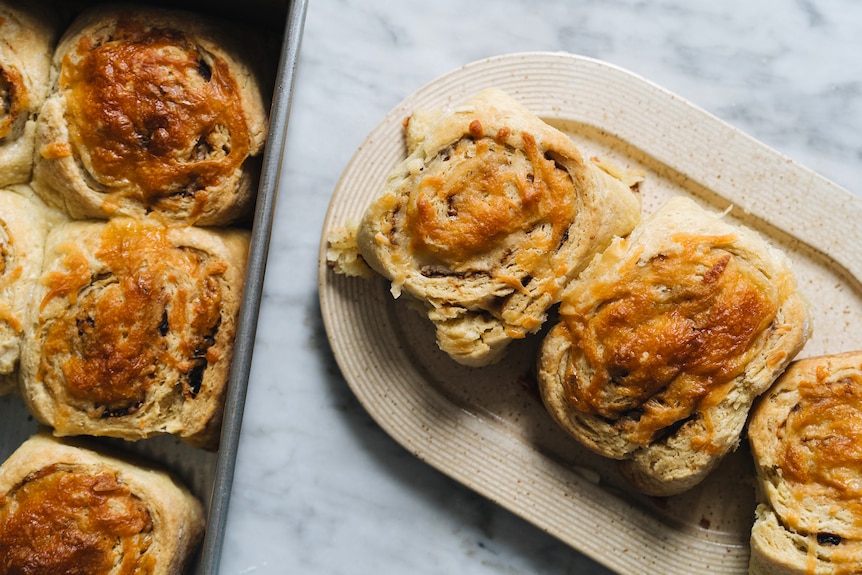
{"x": 486, "y": 427}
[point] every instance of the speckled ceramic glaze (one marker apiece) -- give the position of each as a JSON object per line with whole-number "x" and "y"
{"x": 486, "y": 427}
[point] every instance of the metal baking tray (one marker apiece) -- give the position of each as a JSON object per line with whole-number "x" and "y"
{"x": 210, "y": 474}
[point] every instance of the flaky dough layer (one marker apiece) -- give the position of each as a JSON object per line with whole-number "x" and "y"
{"x": 666, "y": 339}
{"x": 27, "y": 37}
{"x": 65, "y": 507}
{"x": 806, "y": 440}
{"x": 23, "y": 225}
{"x": 151, "y": 112}
{"x": 493, "y": 212}
{"x": 132, "y": 329}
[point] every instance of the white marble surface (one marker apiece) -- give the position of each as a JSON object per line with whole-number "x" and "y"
{"x": 319, "y": 488}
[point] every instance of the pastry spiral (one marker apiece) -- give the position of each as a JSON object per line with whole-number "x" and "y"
{"x": 65, "y": 508}
{"x": 806, "y": 440}
{"x": 22, "y": 229}
{"x": 26, "y": 42}
{"x": 488, "y": 218}
{"x": 666, "y": 339}
{"x": 132, "y": 329}
{"x": 151, "y": 112}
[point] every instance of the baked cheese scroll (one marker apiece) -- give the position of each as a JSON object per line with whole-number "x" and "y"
{"x": 666, "y": 339}
{"x": 27, "y": 37}
{"x": 132, "y": 330}
{"x": 806, "y": 440}
{"x": 23, "y": 225}
{"x": 67, "y": 508}
{"x": 151, "y": 112}
{"x": 488, "y": 218}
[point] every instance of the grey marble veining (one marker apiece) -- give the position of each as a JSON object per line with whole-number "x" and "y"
{"x": 319, "y": 488}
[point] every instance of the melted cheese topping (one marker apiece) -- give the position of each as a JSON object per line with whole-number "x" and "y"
{"x": 665, "y": 336}
{"x": 7, "y": 256}
{"x": 472, "y": 197}
{"x": 821, "y": 457}
{"x": 10, "y": 272}
{"x": 147, "y": 307}
{"x": 14, "y": 101}
{"x": 65, "y": 521}
{"x": 151, "y": 113}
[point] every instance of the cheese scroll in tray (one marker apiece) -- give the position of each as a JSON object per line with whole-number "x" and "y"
{"x": 27, "y": 37}
{"x": 23, "y": 225}
{"x": 806, "y": 440}
{"x": 491, "y": 214}
{"x": 67, "y": 508}
{"x": 152, "y": 112}
{"x": 666, "y": 339}
{"x": 132, "y": 329}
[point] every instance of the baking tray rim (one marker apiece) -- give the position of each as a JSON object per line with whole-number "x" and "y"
{"x": 268, "y": 190}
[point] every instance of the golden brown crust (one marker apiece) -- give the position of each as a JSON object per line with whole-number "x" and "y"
{"x": 132, "y": 329}
{"x": 151, "y": 111}
{"x": 27, "y": 38}
{"x": 666, "y": 339}
{"x": 488, "y": 218}
{"x": 23, "y": 224}
{"x": 806, "y": 440}
{"x": 65, "y": 508}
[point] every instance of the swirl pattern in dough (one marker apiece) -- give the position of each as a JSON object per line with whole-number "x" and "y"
{"x": 806, "y": 440}
{"x": 132, "y": 332}
{"x": 27, "y": 38}
{"x": 151, "y": 112}
{"x": 22, "y": 229}
{"x": 65, "y": 508}
{"x": 666, "y": 339}
{"x": 493, "y": 212}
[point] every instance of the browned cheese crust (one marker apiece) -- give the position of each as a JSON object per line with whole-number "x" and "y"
{"x": 806, "y": 440}
{"x": 151, "y": 111}
{"x": 493, "y": 212}
{"x": 665, "y": 341}
{"x": 132, "y": 330}
{"x": 27, "y": 38}
{"x": 67, "y": 509}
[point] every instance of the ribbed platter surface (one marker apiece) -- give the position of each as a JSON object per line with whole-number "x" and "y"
{"x": 486, "y": 427}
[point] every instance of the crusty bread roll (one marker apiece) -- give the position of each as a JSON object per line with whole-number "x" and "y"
{"x": 488, "y": 218}
{"x": 66, "y": 508}
{"x": 23, "y": 225}
{"x": 665, "y": 340}
{"x": 806, "y": 440}
{"x": 27, "y": 38}
{"x": 151, "y": 112}
{"x": 132, "y": 332}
